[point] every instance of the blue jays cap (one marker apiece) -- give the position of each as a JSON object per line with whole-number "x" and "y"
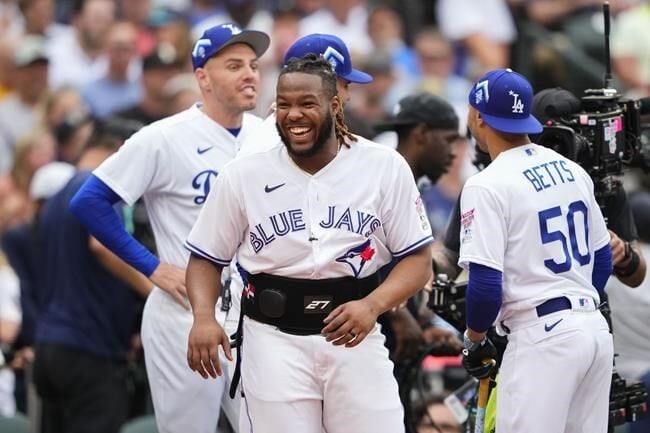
{"x": 218, "y": 37}
{"x": 505, "y": 99}
{"x": 334, "y": 50}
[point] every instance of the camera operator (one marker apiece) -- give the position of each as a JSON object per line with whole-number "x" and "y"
{"x": 427, "y": 129}
{"x": 627, "y": 257}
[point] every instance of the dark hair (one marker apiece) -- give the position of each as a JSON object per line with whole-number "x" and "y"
{"x": 315, "y": 65}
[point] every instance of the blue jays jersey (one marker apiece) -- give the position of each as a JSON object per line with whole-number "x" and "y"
{"x": 532, "y": 215}
{"x": 173, "y": 164}
{"x": 349, "y": 219}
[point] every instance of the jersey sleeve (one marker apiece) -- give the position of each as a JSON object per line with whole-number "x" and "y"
{"x": 599, "y": 234}
{"x": 218, "y": 231}
{"x": 138, "y": 167}
{"x": 482, "y": 228}
{"x": 405, "y": 219}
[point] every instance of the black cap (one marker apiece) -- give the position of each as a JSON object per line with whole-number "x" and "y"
{"x": 425, "y": 108}
{"x": 553, "y": 103}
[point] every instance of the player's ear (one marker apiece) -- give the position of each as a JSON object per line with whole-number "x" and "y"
{"x": 335, "y": 105}
{"x": 202, "y": 78}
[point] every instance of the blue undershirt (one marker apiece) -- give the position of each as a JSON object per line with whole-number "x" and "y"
{"x": 93, "y": 206}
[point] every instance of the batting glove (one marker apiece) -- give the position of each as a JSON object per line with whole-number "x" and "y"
{"x": 475, "y": 355}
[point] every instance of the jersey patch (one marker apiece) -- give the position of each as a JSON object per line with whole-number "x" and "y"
{"x": 466, "y": 220}
{"x": 358, "y": 256}
{"x": 422, "y": 214}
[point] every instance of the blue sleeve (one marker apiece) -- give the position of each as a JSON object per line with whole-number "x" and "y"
{"x": 602, "y": 268}
{"x": 93, "y": 206}
{"x": 483, "y": 297}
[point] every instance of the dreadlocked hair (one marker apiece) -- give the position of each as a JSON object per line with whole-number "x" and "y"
{"x": 315, "y": 65}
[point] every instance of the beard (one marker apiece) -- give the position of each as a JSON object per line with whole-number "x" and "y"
{"x": 324, "y": 134}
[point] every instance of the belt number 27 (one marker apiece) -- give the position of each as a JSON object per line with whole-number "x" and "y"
{"x": 567, "y": 240}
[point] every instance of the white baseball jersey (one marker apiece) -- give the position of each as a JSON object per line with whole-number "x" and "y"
{"x": 173, "y": 164}
{"x": 349, "y": 219}
{"x": 532, "y": 215}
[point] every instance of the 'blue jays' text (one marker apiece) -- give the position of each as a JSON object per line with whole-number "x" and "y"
{"x": 292, "y": 220}
{"x": 549, "y": 174}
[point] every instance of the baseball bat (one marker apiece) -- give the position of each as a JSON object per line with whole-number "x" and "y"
{"x": 483, "y": 393}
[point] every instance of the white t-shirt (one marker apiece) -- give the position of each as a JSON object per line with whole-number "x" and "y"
{"x": 173, "y": 163}
{"x": 532, "y": 215}
{"x": 349, "y": 219}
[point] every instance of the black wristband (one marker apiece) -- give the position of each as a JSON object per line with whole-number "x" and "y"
{"x": 631, "y": 267}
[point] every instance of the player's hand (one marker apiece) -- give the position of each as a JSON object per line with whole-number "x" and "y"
{"x": 171, "y": 279}
{"x": 618, "y": 249}
{"x": 205, "y": 338}
{"x": 473, "y": 360}
{"x": 442, "y": 336}
{"x": 350, "y": 323}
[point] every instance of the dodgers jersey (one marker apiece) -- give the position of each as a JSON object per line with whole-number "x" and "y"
{"x": 349, "y": 219}
{"x": 173, "y": 163}
{"x": 532, "y": 215}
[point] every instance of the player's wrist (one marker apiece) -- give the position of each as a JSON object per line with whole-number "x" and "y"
{"x": 471, "y": 343}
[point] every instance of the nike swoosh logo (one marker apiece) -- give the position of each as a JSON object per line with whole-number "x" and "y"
{"x": 272, "y": 188}
{"x": 548, "y": 328}
{"x": 202, "y": 151}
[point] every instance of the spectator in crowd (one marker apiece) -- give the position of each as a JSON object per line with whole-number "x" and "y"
{"x": 76, "y": 55}
{"x": 18, "y": 110}
{"x": 248, "y": 14}
{"x": 139, "y": 13}
{"x": 437, "y": 62}
{"x": 83, "y": 334}
{"x": 482, "y": 31}
{"x": 157, "y": 68}
{"x": 631, "y": 49}
{"x": 32, "y": 152}
{"x": 39, "y": 18}
{"x": 347, "y": 19}
{"x": 115, "y": 90}
{"x": 10, "y": 318}
{"x": 22, "y": 248}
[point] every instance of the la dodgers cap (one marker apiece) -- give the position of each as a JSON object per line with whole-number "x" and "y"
{"x": 505, "y": 99}
{"x": 219, "y": 37}
{"x": 334, "y": 50}
{"x": 424, "y": 108}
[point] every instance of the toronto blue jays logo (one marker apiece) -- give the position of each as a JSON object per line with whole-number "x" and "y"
{"x": 202, "y": 182}
{"x": 357, "y": 257}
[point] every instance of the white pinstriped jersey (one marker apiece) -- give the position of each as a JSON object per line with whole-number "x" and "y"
{"x": 173, "y": 163}
{"x": 349, "y": 219}
{"x": 532, "y": 215}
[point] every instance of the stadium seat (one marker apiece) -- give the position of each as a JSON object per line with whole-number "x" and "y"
{"x": 143, "y": 424}
{"x": 15, "y": 424}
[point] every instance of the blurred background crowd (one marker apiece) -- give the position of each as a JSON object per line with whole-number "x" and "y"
{"x": 68, "y": 66}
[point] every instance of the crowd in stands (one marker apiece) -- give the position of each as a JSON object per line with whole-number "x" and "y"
{"x": 69, "y": 67}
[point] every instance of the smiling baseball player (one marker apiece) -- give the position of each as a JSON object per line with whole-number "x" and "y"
{"x": 311, "y": 231}
{"x": 173, "y": 164}
{"x": 537, "y": 249}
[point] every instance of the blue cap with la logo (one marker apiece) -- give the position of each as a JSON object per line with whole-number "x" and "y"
{"x": 505, "y": 99}
{"x": 216, "y": 38}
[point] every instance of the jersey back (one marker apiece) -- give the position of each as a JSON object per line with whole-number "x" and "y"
{"x": 532, "y": 215}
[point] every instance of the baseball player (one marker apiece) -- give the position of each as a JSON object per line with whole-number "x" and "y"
{"x": 336, "y": 52}
{"x": 311, "y": 230}
{"x": 173, "y": 164}
{"x": 537, "y": 249}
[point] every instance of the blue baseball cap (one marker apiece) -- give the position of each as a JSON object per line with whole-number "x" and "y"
{"x": 334, "y": 50}
{"x": 505, "y": 100}
{"x": 219, "y": 37}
